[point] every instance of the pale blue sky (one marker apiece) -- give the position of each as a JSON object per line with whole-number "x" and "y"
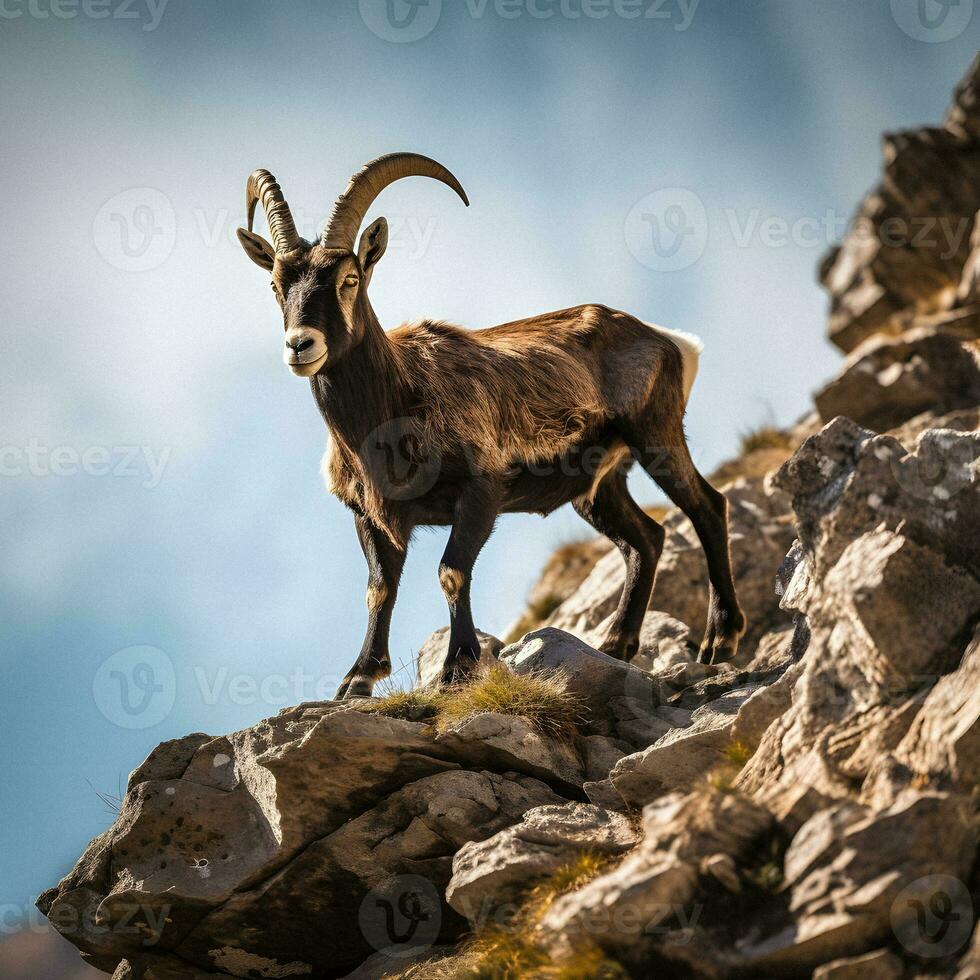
{"x": 214, "y": 542}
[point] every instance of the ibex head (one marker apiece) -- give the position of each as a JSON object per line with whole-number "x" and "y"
{"x": 322, "y": 286}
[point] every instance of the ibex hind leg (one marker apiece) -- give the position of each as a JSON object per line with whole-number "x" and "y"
{"x": 662, "y": 451}
{"x": 613, "y": 512}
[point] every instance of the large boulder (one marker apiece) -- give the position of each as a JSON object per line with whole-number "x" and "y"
{"x": 232, "y": 854}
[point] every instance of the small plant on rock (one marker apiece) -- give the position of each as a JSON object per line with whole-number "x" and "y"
{"x": 544, "y": 700}
{"x": 508, "y": 952}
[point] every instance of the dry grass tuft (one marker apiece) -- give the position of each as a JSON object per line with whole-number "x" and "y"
{"x": 765, "y": 437}
{"x": 544, "y": 700}
{"x": 762, "y": 450}
{"x": 722, "y": 777}
{"x": 414, "y": 705}
{"x": 508, "y": 952}
{"x": 737, "y": 754}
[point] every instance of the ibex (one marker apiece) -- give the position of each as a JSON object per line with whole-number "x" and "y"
{"x": 435, "y": 425}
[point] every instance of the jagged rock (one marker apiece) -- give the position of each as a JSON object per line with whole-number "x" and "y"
{"x": 845, "y": 481}
{"x": 684, "y": 755}
{"x": 879, "y": 965}
{"x": 763, "y": 707}
{"x": 774, "y": 652}
{"x": 619, "y": 698}
{"x": 601, "y": 754}
{"x": 510, "y": 742}
{"x": 855, "y": 877}
{"x": 603, "y": 793}
{"x": 760, "y": 535}
{"x": 432, "y": 656}
{"x": 683, "y": 685}
{"x": 884, "y": 272}
{"x": 236, "y": 864}
{"x": 622, "y": 910}
{"x": 855, "y": 694}
{"x": 942, "y": 743}
{"x": 493, "y": 872}
{"x": 880, "y": 558}
{"x": 402, "y": 847}
{"x": 965, "y": 420}
{"x": 694, "y": 685}
{"x": 888, "y": 380}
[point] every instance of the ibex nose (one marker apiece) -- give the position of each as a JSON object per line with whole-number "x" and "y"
{"x": 300, "y": 344}
{"x": 304, "y": 351}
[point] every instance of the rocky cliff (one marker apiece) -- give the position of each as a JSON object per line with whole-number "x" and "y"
{"x": 811, "y": 810}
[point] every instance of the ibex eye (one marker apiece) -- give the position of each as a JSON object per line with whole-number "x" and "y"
{"x": 350, "y": 281}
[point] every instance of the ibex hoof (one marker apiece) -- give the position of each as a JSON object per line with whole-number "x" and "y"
{"x": 358, "y": 686}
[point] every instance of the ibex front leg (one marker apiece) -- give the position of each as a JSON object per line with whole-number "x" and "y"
{"x": 476, "y": 512}
{"x": 385, "y": 564}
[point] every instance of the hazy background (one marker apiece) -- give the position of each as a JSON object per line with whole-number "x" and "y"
{"x": 160, "y": 485}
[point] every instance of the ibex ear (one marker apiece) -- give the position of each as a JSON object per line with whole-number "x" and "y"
{"x": 257, "y": 249}
{"x": 374, "y": 241}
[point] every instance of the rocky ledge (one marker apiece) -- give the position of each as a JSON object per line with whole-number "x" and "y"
{"x": 809, "y": 811}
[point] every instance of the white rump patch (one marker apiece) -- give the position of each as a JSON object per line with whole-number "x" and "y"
{"x": 691, "y": 348}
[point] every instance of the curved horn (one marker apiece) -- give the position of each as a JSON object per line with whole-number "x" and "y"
{"x": 364, "y": 187}
{"x": 262, "y": 187}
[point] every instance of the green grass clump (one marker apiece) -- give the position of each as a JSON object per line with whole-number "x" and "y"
{"x": 545, "y": 701}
